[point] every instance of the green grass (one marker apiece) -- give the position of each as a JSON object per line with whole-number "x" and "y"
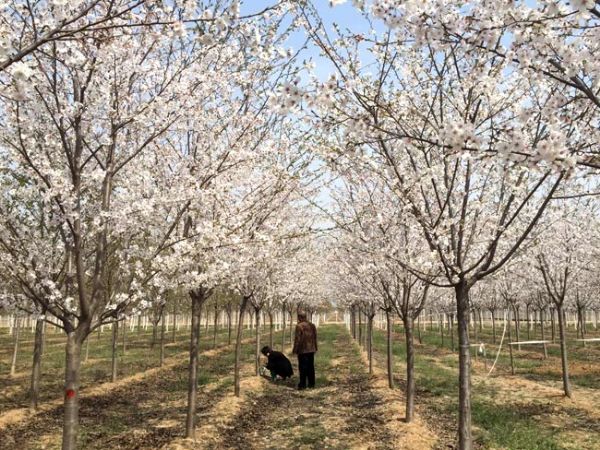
{"x": 512, "y": 428}
{"x": 497, "y": 425}
{"x": 139, "y": 357}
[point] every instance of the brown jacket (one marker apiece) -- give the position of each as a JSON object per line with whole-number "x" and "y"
{"x": 305, "y": 339}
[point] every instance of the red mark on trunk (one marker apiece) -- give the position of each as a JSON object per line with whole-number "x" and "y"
{"x": 70, "y": 393}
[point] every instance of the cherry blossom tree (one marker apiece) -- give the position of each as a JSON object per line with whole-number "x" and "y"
{"x": 439, "y": 128}
{"x": 563, "y": 260}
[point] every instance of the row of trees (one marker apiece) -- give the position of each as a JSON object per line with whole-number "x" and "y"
{"x": 464, "y": 142}
{"x": 141, "y": 163}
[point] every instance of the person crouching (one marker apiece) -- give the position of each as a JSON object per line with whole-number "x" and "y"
{"x": 277, "y": 363}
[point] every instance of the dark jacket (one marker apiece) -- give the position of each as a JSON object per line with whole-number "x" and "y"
{"x": 279, "y": 364}
{"x": 305, "y": 339}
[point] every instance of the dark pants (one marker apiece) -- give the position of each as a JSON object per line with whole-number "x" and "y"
{"x": 306, "y": 366}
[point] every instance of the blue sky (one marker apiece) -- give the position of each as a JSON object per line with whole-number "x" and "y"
{"x": 345, "y": 15}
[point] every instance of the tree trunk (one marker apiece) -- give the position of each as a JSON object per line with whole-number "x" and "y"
{"x": 206, "y": 323}
{"x": 528, "y": 322}
{"x": 452, "y": 330}
{"x": 493, "y": 311}
{"x": 370, "y": 342}
{"x": 71, "y": 400}
{"x": 215, "y": 325}
{"x": 229, "y": 328}
{"x": 553, "y": 324}
{"x": 43, "y": 338}
{"x": 465, "y": 441}
{"x": 543, "y": 333}
{"x": 390, "y": 369}
{"x": 510, "y": 347}
{"x": 517, "y": 326}
{"x": 190, "y": 427}
{"x": 174, "y": 331}
{"x": 271, "y": 329}
{"x": 291, "y": 326}
{"x": 475, "y": 335}
{"x": 124, "y": 343}
{"x": 410, "y": 368}
{"x": 13, "y": 363}
{"x": 257, "y": 346}
{"x": 154, "y": 333}
{"x": 36, "y": 368}
{"x": 360, "y": 327}
{"x": 442, "y": 328}
{"x": 563, "y": 350}
{"x": 87, "y": 349}
{"x": 115, "y": 340}
{"x": 283, "y": 331}
{"x": 238, "y": 346}
{"x": 162, "y": 340}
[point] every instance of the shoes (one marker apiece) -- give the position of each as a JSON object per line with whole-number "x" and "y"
{"x": 301, "y": 388}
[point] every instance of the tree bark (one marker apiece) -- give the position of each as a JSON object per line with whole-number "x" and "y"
{"x": 451, "y": 318}
{"x": 390, "y": 370}
{"x": 124, "y": 343}
{"x": 238, "y": 346}
{"x": 493, "y": 311}
{"x": 465, "y": 440}
{"x": 71, "y": 400}
{"x": 510, "y": 347}
{"x": 257, "y": 339}
{"x": 291, "y": 337}
{"x": 410, "y": 368}
{"x": 229, "y": 327}
{"x": 360, "y": 327}
{"x": 370, "y": 342}
{"x": 543, "y": 333}
{"x": 13, "y": 363}
{"x": 528, "y": 322}
{"x": 283, "y": 314}
{"x": 115, "y": 340}
{"x": 271, "y": 329}
{"x": 563, "y": 350}
{"x": 517, "y": 326}
{"x": 190, "y": 427}
{"x": 553, "y": 324}
{"x": 442, "y": 328}
{"x": 36, "y": 368}
{"x": 215, "y": 325}
{"x": 174, "y": 331}
{"x": 154, "y": 333}
{"x": 162, "y": 340}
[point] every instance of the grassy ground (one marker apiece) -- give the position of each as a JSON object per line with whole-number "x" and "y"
{"x": 529, "y": 361}
{"x": 342, "y": 412}
{"x": 348, "y": 410}
{"x": 147, "y": 411}
{"x": 505, "y": 415}
{"x": 139, "y": 356}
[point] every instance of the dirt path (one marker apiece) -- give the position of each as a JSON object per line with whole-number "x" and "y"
{"x": 343, "y": 412}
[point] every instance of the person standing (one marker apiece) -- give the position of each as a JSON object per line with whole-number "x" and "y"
{"x": 305, "y": 346}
